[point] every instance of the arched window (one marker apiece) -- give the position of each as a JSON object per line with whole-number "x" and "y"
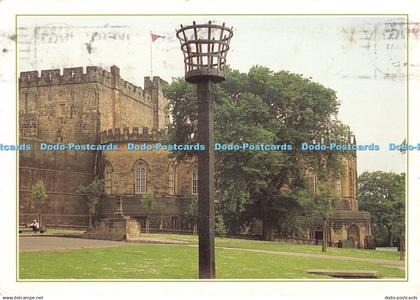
{"x": 172, "y": 183}
{"x": 351, "y": 182}
{"x": 140, "y": 178}
{"x": 108, "y": 178}
{"x": 195, "y": 180}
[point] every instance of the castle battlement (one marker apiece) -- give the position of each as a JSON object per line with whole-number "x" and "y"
{"x": 134, "y": 134}
{"x": 76, "y": 75}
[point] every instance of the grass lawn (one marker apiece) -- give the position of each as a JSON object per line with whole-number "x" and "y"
{"x": 286, "y": 247}
{"x": 149, "y": 261}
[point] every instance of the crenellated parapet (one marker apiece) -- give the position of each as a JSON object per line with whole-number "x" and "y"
{"x": 154, "y": 83}
{"x": 68, "y": 75}
{"x": 134, "y": 134}
{"x": 77, "y": 75}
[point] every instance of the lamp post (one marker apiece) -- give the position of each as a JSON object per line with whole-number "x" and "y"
{"x": 205, "y": 47}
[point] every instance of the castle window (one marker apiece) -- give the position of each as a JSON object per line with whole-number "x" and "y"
{"x": 172, "y": 186}
{"x": 71, "y": 111}
{"x": 195, "y": 181}
{"x": 62, "y": 110}
{"x": 351, "y": 182}
{"x": 140, "y": 179}
{"x": 108, "y": 179}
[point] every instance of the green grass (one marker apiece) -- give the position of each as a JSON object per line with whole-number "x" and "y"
{"x": 286, "y": 247}
{"x": 148, "y": 261}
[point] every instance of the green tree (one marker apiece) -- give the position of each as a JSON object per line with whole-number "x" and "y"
{"x": 262, "y": 107}
{"x": 191, "y": 212}
{"x": 383, "y": 195}
{"x": 94, "y": 192}
{"x": 149, "y": 201}
{"x": 220, "y": 228}
{"x": 39, "y": 195}
{"x": 319, "y": 207}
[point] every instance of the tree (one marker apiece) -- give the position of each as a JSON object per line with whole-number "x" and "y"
{"x": 149, "y": 201}
{"x": 191, "y": 212}
{"x": 319, "y": 207}
{"x": 39, "y": 195}
{"x": 220, "y": 228}
{"x": 262, "y": 107}
{"x": 94, "y": 192}
{"x": 383, "y": 195}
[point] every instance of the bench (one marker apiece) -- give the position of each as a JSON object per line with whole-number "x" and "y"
{"x": 24, "y": 228}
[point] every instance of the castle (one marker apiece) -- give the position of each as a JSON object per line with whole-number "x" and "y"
{"x": 96, "y": 106}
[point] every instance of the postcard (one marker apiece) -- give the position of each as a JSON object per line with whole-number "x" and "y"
{"x": 190, "y": 151}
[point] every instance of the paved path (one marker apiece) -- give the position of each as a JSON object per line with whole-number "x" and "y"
{"x": 58, "y": 243}
{"x": 46, "y": 243}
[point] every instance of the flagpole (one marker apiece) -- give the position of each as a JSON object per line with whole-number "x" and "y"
{"x": 151, "y": 56}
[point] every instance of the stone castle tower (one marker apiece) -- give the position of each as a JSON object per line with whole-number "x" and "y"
{"x": 75, "y": 107}
{"x": 94, "y": 107}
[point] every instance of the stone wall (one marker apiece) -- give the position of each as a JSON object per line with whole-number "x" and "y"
{"x": 157, "y": 162}
{"x": 59, "y": 113}
{"x": 61, "y": 172}
{"x": 349, "y": 185}
{"x": 115, "y": 229}
{"x": 160, "y": 216}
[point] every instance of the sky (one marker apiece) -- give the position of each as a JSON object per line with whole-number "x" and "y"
{"x": 362, "y": 58}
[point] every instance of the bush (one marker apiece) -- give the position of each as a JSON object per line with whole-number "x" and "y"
{"x": 220, "y": 228}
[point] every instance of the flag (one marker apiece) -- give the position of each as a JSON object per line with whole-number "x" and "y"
{"x": 154, "y": 37}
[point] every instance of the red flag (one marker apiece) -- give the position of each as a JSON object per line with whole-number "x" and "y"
{"x": 154, "y": 37}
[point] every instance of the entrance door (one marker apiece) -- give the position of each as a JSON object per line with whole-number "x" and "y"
{"x": 319, "y": 236}
{"x": 142, "y": 222}
{"x": 353, "y": 234}
{"x": 175, "y": 223}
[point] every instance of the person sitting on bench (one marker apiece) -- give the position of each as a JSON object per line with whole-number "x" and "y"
{"x": 34, "y": 225}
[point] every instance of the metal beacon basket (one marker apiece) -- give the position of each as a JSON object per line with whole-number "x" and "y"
{"x": 204, "y": 47}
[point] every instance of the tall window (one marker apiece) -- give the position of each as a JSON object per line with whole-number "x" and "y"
{"x": 62, "y": 110}
{"x": 351, "y": 182}
{"x": 172, "y": 183}
{"x": 108, "y": 179}
{"x": 140, "y": 178}
{"x": 195, "y": 181}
